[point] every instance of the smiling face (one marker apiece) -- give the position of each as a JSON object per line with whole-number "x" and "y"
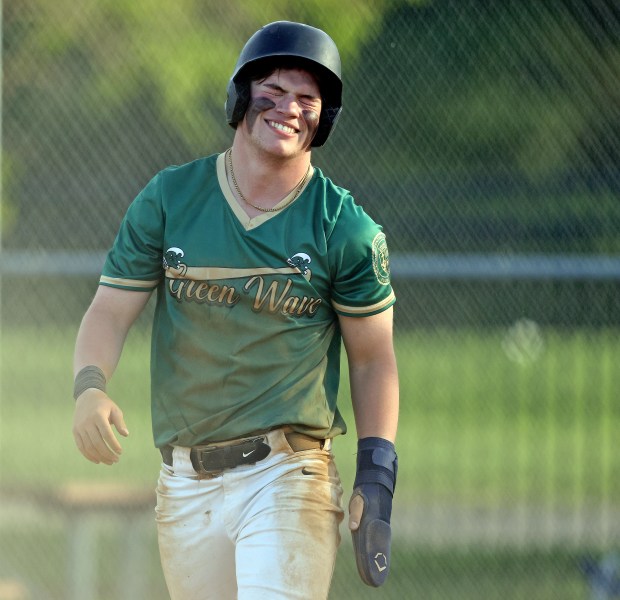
{"x": 283, "y": 113}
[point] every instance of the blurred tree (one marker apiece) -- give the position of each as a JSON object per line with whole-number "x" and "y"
{"x": 454, "y": 100}
{"x": 510, "y": 87}
{"x": 490, "y": 126}
{"x": 99, "y": 95}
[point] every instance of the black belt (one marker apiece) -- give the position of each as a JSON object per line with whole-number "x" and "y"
{"x": 212, "y": 460}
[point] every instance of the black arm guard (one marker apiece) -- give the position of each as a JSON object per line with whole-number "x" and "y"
{"x": 377, "y": 465}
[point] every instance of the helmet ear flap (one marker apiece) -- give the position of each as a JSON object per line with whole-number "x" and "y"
{"x": 328, "y": 120}
{"x": 237, "y": 100}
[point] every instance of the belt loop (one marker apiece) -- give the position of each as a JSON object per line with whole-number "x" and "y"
{"x": 300, "y": 442}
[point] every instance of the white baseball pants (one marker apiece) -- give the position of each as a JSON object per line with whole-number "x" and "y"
{"x": 265, "y": 531}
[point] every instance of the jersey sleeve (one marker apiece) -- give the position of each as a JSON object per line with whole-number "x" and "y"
{"x": 359, "y": 261}
{"x": 135, "y": 259}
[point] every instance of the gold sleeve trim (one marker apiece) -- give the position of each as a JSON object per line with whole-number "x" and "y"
{"x": 363, "y": 310}
{"x": 129, "y": 283}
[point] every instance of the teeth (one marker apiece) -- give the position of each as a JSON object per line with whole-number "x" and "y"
{"x": 281, "y": 127}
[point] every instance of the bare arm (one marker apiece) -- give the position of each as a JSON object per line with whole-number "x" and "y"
{"x": 373, "y": 374}
{"x": 100, "y": 342}
{"x": 375, "y": 396}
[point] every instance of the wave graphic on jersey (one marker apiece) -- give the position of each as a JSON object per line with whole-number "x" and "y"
{"x": 300, "y": 261}
{"x": 172, "y": 261}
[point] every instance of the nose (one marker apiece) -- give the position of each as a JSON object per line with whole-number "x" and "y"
{"x": 288, "y": 104}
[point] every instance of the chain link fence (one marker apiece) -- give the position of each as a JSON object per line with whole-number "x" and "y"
{"x": 484, "y": 136}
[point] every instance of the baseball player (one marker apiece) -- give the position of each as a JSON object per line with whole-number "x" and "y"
{"x": 262, "y": 268}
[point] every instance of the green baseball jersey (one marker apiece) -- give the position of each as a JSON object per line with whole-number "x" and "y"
{"x": 245, "y": 331}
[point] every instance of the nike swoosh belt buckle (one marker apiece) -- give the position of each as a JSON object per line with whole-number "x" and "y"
{"x": 211, "y": 461}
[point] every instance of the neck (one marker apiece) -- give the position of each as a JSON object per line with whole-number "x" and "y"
{"x": 266, "y": 179}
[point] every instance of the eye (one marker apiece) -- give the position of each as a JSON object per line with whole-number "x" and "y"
{"x": 310, "y": 102}
{"x": 273, "y": 90}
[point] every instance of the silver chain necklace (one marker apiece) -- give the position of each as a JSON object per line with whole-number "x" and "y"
{"x": 300, "y": 185}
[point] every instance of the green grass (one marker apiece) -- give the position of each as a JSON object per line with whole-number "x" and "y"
{"x": 473, "y": 423}
{"x": 490, "y": 430}
{"x": 473, "y": 574}
{"x": 417, "y": 573}
{"x": 478, "y": 431}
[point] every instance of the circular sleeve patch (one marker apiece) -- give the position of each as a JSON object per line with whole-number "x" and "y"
{"x": 381, "y": 259}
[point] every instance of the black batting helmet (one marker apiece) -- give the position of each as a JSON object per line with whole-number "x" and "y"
{"x": 294, "y": 43}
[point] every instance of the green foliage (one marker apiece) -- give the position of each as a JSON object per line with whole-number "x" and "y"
{"x": 498, "y": 86}
{"x": 458, "y": 78}
{"x": 464, "y": 123}
{"x": 8, "y": 208}
{"x": 108, "y": 54}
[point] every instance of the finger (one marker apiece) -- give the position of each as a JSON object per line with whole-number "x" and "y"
{"x": 84, "y": 443}
{"x": 101, "y": 448}
{"x": 356, "y": 509}
{"x": 109, "y": 439}
{"x": 90, "y": 450}
{"x": 116, "y": 418}
{"x": 85, "y": 448}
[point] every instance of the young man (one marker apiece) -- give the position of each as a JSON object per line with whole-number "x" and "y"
{"x": 262, "y": 266}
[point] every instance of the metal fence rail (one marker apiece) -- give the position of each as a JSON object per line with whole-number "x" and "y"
{"x": 487, "y": 267}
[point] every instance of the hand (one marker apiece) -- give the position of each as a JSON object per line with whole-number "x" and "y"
{"x": 370, "y": 508}
{"x": 94, "y": 415}
{"x": 356, "y": 510}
